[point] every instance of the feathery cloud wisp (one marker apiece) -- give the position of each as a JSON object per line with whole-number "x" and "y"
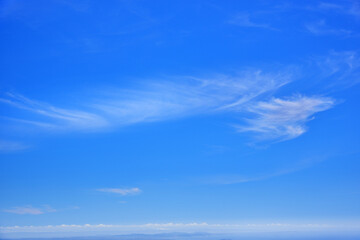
{"x": 60, "y": 117}
{"x": 163, "y": 100}
{"x": 121, "y": 191}
{"x": 30, "y": 210}
{"x": 284, "y": 118}
{"x": 187, "y": 96}
{"x": 321, "y": 28}
{"x": 243, "y": 20}
{"x": 10, "y": 146}
{"x": 158, "y": 101}
{"x": 339, "y": 69}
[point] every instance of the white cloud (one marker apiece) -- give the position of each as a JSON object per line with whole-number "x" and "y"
{"x": 30, "y": 210}
{"x": 284, "y": 118}
{"x": 121, "y": 191}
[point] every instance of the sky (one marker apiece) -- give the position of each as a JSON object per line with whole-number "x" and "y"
{"x": 179, "y": 116}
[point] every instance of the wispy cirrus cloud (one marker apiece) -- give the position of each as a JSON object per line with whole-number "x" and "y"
{"x": 244, "y": 20}
{"x": 226, "y": 179}
{"x": 283, "y": 119}
{"x": 338, "y": 69}
{"x": 121, "y": 191}
{"x": 30, "y": 210}
{"x": 322, "y": 28}
{"x": 246, "y": 92}
{"x": 351, "y": 8}
{"x": 158, "y": 101}
{"x": 186, "y": 96}
{"x": 11, "y": 146}
{"x": 60, "y": 117}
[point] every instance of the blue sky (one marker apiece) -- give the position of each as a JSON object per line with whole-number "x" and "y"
{"x": 183, "y": 115}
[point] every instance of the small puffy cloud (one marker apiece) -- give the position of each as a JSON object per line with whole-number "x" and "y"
{"x": 121, "y": 191}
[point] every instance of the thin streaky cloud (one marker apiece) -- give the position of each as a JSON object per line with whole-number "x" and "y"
{"x": 186, "y": 227}
{"x": 279, "y": 119}
{"x": 39, "y": 124}
{"x": 329, "y": 6}
{"x": 121, "y": 191}
{"x": 64, "y": 117}
{"x": 283, "y": 119}
{"x": 188, "y": 96}
{"x": 345, "y": 8}
{"x": 338, "y": 70}
{"x": 11, "y": 146}
{"x": 227, "y": 179}
{"x": 244, "y": 20}
{"x": 321, "y": 28}
{"x": 30, "y": 210}
{"x": 351, "y": 9}
{"x": 236, "y": 179}
{"x": 161, "y": 100}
